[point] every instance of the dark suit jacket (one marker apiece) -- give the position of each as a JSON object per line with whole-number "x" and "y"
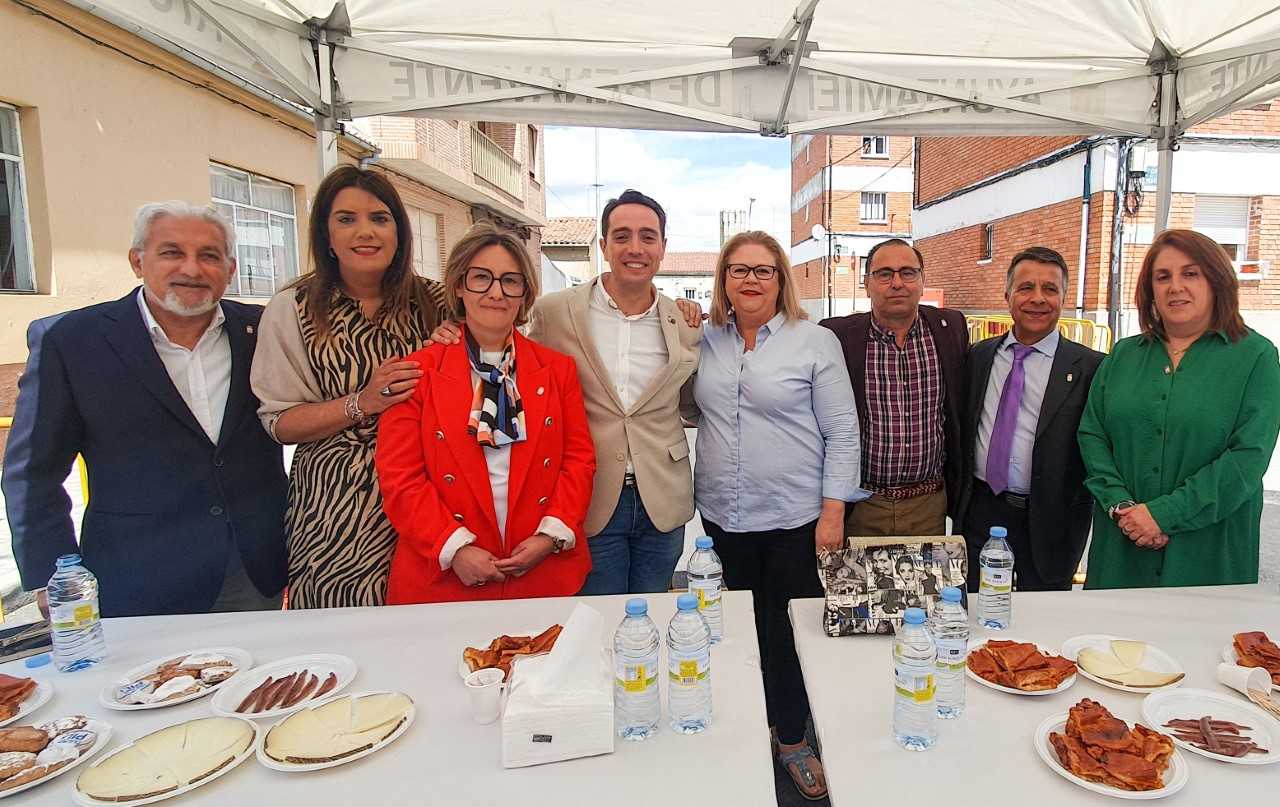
{"x": 166, "y": 505}
{"x": 951, "y": 340}
{"x": 1060, "y": 507}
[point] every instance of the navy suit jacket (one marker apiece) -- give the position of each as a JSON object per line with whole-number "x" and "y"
{"x": 166, "y": 504}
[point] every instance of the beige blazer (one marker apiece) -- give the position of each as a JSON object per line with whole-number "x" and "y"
{"x": 651, "y": 431}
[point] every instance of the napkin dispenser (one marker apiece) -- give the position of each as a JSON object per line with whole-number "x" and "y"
{"x": 560, "y": 706}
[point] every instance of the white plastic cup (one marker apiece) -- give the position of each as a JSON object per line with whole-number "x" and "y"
{"x": 1243, "y": 679}
{"x": 485, "y": 690}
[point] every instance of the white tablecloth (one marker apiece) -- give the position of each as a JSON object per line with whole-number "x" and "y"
{"x": 986, "y": 757}
{"x": 444, "y": 758}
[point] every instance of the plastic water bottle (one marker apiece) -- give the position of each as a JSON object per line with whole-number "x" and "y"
{"x": 995, "y": 590}
{"x": 688, "y": 668}
{"x": 637, "y": 704}
{"x": 915, "y": 717}
{"x": 74, "y": 617}
{"x": 705, "y": 573}
{"x": 949, "y": 625}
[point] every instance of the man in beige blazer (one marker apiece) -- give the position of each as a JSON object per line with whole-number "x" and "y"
{"x": 634, "y": 350}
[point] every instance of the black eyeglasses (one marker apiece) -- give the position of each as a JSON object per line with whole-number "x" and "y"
{"x": 479, "y": 281}
{"x": 762, "y": 272}
{"x": 909, "y": 274}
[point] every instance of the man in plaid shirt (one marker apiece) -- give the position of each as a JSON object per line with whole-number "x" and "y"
{"x": 906, "y": 363}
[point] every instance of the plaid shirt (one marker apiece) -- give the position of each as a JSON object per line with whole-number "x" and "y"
{"x": 903, "y": 442}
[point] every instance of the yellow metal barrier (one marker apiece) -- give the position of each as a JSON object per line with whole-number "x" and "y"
{"x": 1086, "y": 332}
{"x": 7, "y": 423}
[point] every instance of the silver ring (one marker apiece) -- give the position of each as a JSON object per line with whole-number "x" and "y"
{"x": 386, "y": 392}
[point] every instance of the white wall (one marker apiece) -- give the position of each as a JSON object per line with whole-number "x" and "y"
{"x": 674, "y": 286}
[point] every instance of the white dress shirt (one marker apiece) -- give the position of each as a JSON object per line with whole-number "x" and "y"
{"x": 632, "y": 346}
{"x": 498, "y": 461}
{"x": 1036, "y": 368}
{"x": 202, "y": 375}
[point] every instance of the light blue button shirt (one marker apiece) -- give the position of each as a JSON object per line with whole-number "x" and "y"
{"x": 1036, "y": 367}
{"x": 778, "y": 430}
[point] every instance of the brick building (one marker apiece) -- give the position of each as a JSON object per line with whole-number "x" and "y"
{"x": 570, "y": 242}
{"x": 859, "y": 190}
{"x": 79, "y": 153}
{"x": 979, "y": 200}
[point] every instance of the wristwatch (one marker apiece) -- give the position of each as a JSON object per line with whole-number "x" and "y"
{"x": 557, "y": 544}
{"x": 1114, "y": 512}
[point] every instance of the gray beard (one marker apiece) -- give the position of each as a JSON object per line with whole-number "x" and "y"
{"x": 174, "y": 305}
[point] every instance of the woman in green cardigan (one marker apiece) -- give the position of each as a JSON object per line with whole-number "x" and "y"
{"x": 1179, "y": 429}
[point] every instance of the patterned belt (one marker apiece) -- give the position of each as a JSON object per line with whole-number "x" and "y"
{"x": 907, "y": 492}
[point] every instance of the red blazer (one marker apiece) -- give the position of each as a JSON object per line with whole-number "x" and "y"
{"x": 434, "y": 478}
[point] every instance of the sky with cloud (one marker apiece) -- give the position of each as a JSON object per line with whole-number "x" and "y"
{"x": 692, "y": 175}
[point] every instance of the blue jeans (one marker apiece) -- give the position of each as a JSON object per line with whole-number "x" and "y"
{"x": 630, "y": 556}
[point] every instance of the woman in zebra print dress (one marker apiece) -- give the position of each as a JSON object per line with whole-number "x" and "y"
{"x": 330, "y": 359}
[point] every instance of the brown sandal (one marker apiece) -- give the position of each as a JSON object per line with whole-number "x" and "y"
{"x": 800, "y": 763}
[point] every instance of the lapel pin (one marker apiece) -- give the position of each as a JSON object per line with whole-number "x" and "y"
{"x": 672, "y": 320}
{"x": 944, "y": 323}
{"x": 1069, "y": 377}
{"x": 248, "y": 329}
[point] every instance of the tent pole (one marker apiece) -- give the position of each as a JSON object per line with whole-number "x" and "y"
{"x": 779, "y": 122}
{"x": 326, "y": 124}
{"x": 1167, "y": 144}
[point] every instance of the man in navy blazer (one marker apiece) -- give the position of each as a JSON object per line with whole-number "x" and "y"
{"x": 186, "y": 490}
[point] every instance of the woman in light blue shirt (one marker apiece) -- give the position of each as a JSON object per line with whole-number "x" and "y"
{"x": 777, "y": 459}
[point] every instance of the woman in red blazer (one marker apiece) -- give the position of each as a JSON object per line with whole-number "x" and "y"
{"x": 486, "y": 469}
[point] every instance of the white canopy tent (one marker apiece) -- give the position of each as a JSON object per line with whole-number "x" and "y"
{"x": 1141, "y": 68}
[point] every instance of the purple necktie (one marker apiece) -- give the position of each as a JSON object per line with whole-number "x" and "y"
{"x": 1006, "y": 423}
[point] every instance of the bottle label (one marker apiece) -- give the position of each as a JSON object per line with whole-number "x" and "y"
{"x": 636, "y": 678}
{"x": 951, "y": 656}
{"x": 910, "y": 684}
{"x": 74, "y": 615}
{"x": 996, "y": 581}
{"x": 708, "y": 592}
{"x": 689, "y": 672}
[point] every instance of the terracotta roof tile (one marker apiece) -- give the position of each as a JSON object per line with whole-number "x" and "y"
{"x": 569, "y": 231}
{"x": 689, "y": 263}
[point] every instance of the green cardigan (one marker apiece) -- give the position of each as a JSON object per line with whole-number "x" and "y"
{"x": 1191, "y": 444}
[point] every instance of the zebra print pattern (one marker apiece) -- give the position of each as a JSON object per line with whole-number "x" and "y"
{"x": 340, "y": 541}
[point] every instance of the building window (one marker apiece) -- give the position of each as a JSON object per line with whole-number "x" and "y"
{"x": 874, "y": 208}
{"x": 1225, "y": 219}
{"x": 988, "y": 246}
{"x": 16, "y": 272}
{"x": 426, "y": 242}
{"x": 266, "y": 229}
{"x": 691, "y": 294}
{"x": 877, "y": 146}
{"x": 533, "y": 152}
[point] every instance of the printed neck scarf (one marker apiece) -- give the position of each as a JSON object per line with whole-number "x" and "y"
{"x": 497, "y": 417}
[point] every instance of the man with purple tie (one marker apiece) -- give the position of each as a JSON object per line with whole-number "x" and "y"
{"x": 1027, "y": 390}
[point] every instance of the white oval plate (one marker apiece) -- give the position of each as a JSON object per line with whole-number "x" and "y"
{"x": 38, "y": 697}
{"x": 1155, "y": 660}
{"x": 107, "y": 697}
{"x": 1160, "y": 707}
{"x": 1229, "y": 655}
{"x": 103, "y": 731}
{"x": 1175, "y": 776}
{"x": 290, "y": 767}
{"x": 974, "y": 644}
{"x": 229, "y": 697}
{"x": 88, "y": 801}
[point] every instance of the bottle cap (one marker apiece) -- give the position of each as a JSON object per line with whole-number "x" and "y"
{"x": 999, "y": 532}
{"x": 68, "y": 560}
{"x": 687, "y": 602}
{"x": 913, "y": 616}
{"x": 637, "y": 606}
{"x": 951, "y": 594}
{"x": 704, "y": 542}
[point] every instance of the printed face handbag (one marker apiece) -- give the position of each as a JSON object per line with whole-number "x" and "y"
{"x": 871, "y": 582}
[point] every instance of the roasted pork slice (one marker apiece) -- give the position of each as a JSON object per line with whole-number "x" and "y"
{"x": 1131, "y": 772}
{"x": 1075, "y": 757}
{"x": 1254, "y": 649}
{"x": 1014, "y": 656}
